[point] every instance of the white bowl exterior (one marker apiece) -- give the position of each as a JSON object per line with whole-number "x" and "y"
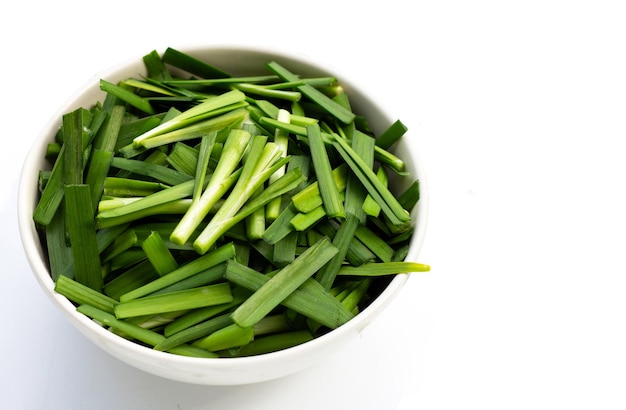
{"x": 223, "y": 371}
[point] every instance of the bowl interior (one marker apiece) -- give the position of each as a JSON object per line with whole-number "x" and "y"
{"x": 239, "y": 61}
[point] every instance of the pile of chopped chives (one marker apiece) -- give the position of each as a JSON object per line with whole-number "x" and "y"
{"x": 209, "y": 215}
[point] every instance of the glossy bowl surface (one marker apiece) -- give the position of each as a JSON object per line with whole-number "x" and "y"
{"x": 223, "y": 371}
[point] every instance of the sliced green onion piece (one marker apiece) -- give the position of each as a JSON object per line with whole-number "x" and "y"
{"x": 81, "y": 294}
{"x": 391, "y": 135}
{"x": 341, "y": 241}
{"x": 158, "y": 254}
{"x": 281, "y": 138}
{"x": 389, "y": 204}
{"x": 127, "y": 96}
{"x": 82, "y": 232}
{"x": 288, "y": 279}
{"x": 221, "y": 180}
{"x": 191, "y": 268}
{"x": 226, "y": 338}
{"x": 192, "y": 115}
{"x": 273, "y": 343}
{"x": 143, "y": 335}
{"x": 170, "y": 302}
{"x": 197, "y": 331}
{"x": 191, "y": 64}
{"x": 314, "y": 94}
{"x": 383, "y": 268}
{"x": 333, "y": 205}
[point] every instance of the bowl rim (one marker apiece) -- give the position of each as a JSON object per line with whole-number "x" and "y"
{"x": 34, "y": 251}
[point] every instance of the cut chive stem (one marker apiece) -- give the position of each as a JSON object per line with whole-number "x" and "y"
{"x": 266, "y": 92}
{"x": 137, "y": 332}
{"x": 123, "y": 94}
{"x": 273, "y": 343}
{"x": 198, "y": 316}
{"x": 221, "y": 120}
{"x": 158, "y": 172}
{"x": 192, "y": 115}
{"x": 370, "y": 206}
{"x": 288, "y": 279}
{"x": 310, "y": 197}
{"x": 391, "y": 135}
{"x": 389, "y": 204}
{"x": 333, "y": 205}
{"x": 158, "y": 254}
{"x": 74, "y": 149}
{"x": 226, "y": 338}
{"x": 171, "y": 302}
{"x": 341, "y": 241}
{"x": 363, "y": 146}
{"x": 204, "y": 262}
{"x": 191, "y": 64}
{"x": 310, "y": 300}
{"x": 179, "y": 191}
{"x": 314, "y": 94}
{"x": 59, "y": 251}
{"x": 281, "y": 139}
{"x": 259, "y": 159}
{"x": 195, "y": 332}
{"x": 82, "y": 233}
{"x": 81, "y": 294}
{"x": 206, "y": 147}
{"x": 222, "y": 179}
{"x": 383, "y": 268}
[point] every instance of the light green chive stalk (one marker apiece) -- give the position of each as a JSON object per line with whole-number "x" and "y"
{"x": 281, "y": 139}
{"x": 221, "y": 180}
{"x": 281, "y": 285}
{"x": 260, "y": 157}
{"x": 192, "y": 115}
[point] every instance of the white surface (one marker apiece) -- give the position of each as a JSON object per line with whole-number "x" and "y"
{"x": 519, "y": 108}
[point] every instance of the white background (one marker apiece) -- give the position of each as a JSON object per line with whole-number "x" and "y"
{"x": 519, "y": 110}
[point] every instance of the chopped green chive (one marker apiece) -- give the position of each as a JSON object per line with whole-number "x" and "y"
{"x": 391, "y": 135}
{"x": 315, "y": 95}
{"x": 206, "y": 261}
{"x": 128, "y": 96}
{"x": 210, "y": 215}
{"x": 389, "y": 204}
{"x": 81, "y": 294}
{"x": 226, "y": 338}
{"x": 82, "y": 233}
{"x": 170, "y": 302}
{"x": 383, "y": 268}
{"x": 274, "y": 291}
{"x": 333, "y": 204}
{"x": 158, "y": 254}
{"x": 137, "y": 332}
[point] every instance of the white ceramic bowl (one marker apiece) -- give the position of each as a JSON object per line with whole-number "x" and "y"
{"x": 222, "y": 371}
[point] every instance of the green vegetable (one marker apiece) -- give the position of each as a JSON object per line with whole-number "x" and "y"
{"x": 383, "y": 268}
{"x": 274, "y": 291}
{"x": 143, "y": 335}
{"x": 158, "y": 254}
{"x": 314, "y": 94}
{"x": 185, "y": 271}
{"x": 82, "y": 294}
{"x": 310, "y": 300}
{"x": 219, "y": 182}
{"x": 210, "y": 215}
{"x": 333, "y": 205}
{"x": 174, "y": 301}
{"x": 82, "y": 234}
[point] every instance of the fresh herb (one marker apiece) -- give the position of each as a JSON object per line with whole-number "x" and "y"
{"x": 212, "y": 215}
